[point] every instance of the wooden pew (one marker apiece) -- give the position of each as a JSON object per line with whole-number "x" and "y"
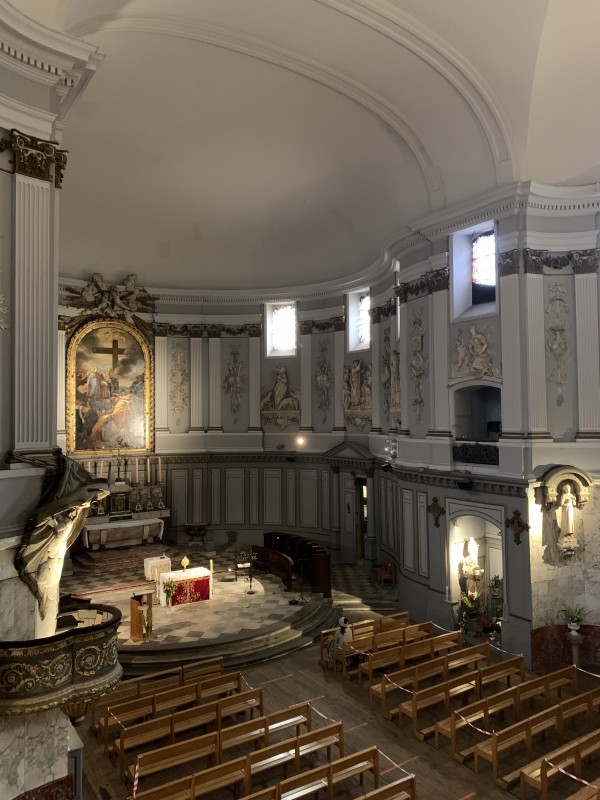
{"x": 539, "y": 772}
{"x": 298, "y": 715}
{"x": 396, "y": 656}
{"x": 168, "y": 727}
{"x": 155, "y": 682}
{"x": 364, "y": 627}
{"x": 590, "y": 792}
{"x": 163, "y": 758}
{"x": 292, "y": 750}
{"x": 350, "y": 650}
{"x": 443, "y": 693}
{"x": 412, "y": 676}
{"x": 229, "y": 774}
{"x": 503, "y": 670}
{"x": 326, "y": 776}
{"x": 270, "y": 793}
{"x": 552, "y": 718}
{"x": 402, "y": 789}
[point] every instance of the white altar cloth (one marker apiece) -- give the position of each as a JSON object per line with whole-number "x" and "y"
{"x": 163, "y": 563}
{"x": 182, "y": 575}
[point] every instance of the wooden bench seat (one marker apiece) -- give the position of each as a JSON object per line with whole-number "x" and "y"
{"x": 163, "y": 758}
{"x": 539, "y": 772}
{"x": 402, "y": 789}
{"x": 522, "y": 733}
{"x": 442, "y": 693}
{"x": 503, "y": 670}
{"x": 364, "y": 627}
{"x": 292, "y": 751}
{"x": 299, "y": 715}
{"x": 222, "y": 776}
{"x": 422, "y": 646}
{"x": 412, "y": 676}
{"x": 343, "y": 661}
{"x": 328, "y": 775}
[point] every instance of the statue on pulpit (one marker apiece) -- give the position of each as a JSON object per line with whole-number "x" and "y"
{"x": 51, "y": 530}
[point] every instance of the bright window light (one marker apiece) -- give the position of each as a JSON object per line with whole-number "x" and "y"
{"x": 364, "y": 319}
{"x": 484, "y": 259}
{"x": 284, "y": 328}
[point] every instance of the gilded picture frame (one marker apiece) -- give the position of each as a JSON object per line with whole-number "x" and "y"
{"x": 110, "y": 390}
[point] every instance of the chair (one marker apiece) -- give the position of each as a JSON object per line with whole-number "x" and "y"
{"x": 385, "y": 574}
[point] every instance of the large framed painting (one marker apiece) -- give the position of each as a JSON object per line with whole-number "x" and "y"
{"x": 110, "y": 389}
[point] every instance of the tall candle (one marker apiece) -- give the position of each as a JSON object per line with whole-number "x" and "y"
{"x": 148, "y": 470}
{"x": 159, "y": 470}
{"x": 137, "y": 472}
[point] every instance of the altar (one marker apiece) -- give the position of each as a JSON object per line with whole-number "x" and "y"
{"x": 100, "y": 533}
{"x": 191, "y": 585}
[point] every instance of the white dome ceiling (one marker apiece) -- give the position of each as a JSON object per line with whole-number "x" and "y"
{"x": 260, "y": 144}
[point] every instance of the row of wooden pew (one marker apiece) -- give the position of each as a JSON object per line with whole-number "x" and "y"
{"x": 364, "y": 627}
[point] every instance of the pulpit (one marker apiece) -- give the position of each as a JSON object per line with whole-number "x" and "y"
{"x": 140, "y": 605}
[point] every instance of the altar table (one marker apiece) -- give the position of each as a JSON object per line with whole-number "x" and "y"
{"x": 100, "y": 533}
{"x": 192, "y": 585}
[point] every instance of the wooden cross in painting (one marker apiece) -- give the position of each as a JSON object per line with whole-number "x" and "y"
{"x": 115, "y": 351}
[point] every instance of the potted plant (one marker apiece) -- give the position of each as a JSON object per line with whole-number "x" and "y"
{"x": 574, "y": 616}
{"x": 496, "y": 586}
{"x": 169, "y": 588}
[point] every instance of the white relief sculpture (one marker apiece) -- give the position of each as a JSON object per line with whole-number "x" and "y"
{"x": 323, "y": 377}
{"x": 3, "y": 311}
{"x": 474, "y": 357}
{"x": 565, "y": 512}
{"x": 418, "y": 362}
{"x": 357, "y": 393}
{"x": 234, "y": 383}
{"x": 178, "y": 382}
{"x": 557, "y": 344}
{"x": 390, "y": 379}
{"x": 113, "y": 302}
{"x": 279, "y": 404}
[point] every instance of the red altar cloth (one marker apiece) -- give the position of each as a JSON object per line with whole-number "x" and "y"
{"x": 191, "y": 590}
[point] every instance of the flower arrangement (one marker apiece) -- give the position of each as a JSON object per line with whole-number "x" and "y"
{"x": 470, "y": 600}
{"x": 169, "y": 588}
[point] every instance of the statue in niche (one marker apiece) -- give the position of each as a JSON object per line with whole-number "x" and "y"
{"x": 52, "y": 528}
{"x": 279, "y": 404}
{"x": 323, "y": 379}
{"x": 357, "y": 393}
{"x": 567, "y": 503}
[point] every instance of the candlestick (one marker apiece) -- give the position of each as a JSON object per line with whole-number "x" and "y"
{"x": 137, "y": 471}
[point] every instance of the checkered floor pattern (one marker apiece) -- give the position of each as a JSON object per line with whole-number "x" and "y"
{"x": 232, "y": 613}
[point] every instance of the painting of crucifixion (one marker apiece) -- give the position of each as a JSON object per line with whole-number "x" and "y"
{"x": 110, "y": 381}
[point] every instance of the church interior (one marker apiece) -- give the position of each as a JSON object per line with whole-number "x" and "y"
{"x": 300, "y": 356}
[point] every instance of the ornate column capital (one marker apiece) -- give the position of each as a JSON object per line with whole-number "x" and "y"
{"x": 431, "y": 282}
{"x": 508, "y": 263}
{"x": 36, "y": 158}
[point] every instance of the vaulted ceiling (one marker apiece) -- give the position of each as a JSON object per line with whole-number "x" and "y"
{"x": 253, "y": 144}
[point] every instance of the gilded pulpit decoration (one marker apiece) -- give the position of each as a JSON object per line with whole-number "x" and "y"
{"x": 357, "y": 394}
{"x": 234, "y": 383}
{"x": 436, "y": 511}
{"x": 36, "y": 158}
{"x": 517, "y": 525}
{"x": 474, "y": 356}
{"x": 557, "y": 344}
{"x": 323, "y": 378}
{"x": 390, "y": 379}
{"x": 418, "y": 362}
{"x": 111, "y": 301}
{"x": 280, "y": 405}
{"x": 179, "y": 395}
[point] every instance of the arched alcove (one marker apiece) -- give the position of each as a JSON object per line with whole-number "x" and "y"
{"x": 477, "y": 412}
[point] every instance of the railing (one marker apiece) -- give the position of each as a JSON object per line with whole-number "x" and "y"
{"x": 69, "y": 669}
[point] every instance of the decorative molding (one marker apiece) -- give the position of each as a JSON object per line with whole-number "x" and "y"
{"x": 36, "y": 158}
{"x": 517, "y": 525}
{"x": 323, "y": 380}
{"x": 3, "y": 310}
{"x": 234, "y": 383}
{"x": 308, "y": 326}
{"x": 436, "y": 511}
{"x": 474, "y": 358}
{"x": 389, "y": 374}
{"x": 533, "y": 261}
{"x": 418, "y": 361}
{"x": 357, "y": 394}
{"x": 557, "y": 344}
{"x": 110, "y": 302}
{"x": 280, "y": 405}
{"x": 428, "y": 284}
{"x": 508, "y": 263}
{"x": 476, "y": 453}
{"x": 582, "y": 261}
{"x": 179, "y": 395}
{"x": 383, "y": 312}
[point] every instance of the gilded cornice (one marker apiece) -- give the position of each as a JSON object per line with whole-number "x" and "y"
{"x": 35, "y": 158}
{"x": 331, "y": 325}
{"x": 582, "y": 261}
{"x": 508, "y": 263}
{"x": 427, "y": 284}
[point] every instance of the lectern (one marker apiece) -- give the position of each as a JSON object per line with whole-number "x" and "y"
{"x": 137, "y": 616}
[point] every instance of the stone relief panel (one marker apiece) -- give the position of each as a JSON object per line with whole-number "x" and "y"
{"x": 474, "y": 355}
{"x": 323, "y": 379}
{"x": 357, "y": 391}
{"x": 418, "y": 361}
{"x": 280, "y": 405}
{"x": 557, "y": 344}
{"x": 100, "y": 299}
{"x": 389, "y": 374}
{"x": 179, "y": 379}
{"x": 234, "y": 382}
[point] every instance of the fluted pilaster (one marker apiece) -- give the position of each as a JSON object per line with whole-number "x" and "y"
{"x": 533, "y": 324}
{"x": 588, "y": 370}
{"x": 339, "y": 346}
{"x": 306, "y": 382}
{"x": 438, "y": 386}
{"x": 254, "y": 344}
{"x": 161, "y": 373}
{"x": 214, "y": 384}
{"x": 196, "y": 346}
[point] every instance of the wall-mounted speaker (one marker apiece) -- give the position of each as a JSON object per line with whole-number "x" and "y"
{"x": 466, "y": 486}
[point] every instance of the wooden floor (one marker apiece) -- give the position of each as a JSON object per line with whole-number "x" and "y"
{"x": 297, "y": 678}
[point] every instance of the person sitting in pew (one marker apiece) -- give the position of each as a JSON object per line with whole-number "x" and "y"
{"x": 343, "y": 634}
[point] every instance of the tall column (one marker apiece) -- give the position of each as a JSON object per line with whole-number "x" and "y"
{"x": 306, "y": 376}
{"x": 512, "y": 337}
{"x": 161, "y": 383}
{"x": 375, "y": 381}
{"x": 370, "y": 538}
{"x": 533, "y": 327}
{"x": 588, "y": 350}
{"x": 196, "y": 345}
{"x": 214, "y": 384}
{"x": 338, "y": 380}
{"x": 254, "y": 343}
{"x": 439, "y": 415}
{"x": 35, "y": 312}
